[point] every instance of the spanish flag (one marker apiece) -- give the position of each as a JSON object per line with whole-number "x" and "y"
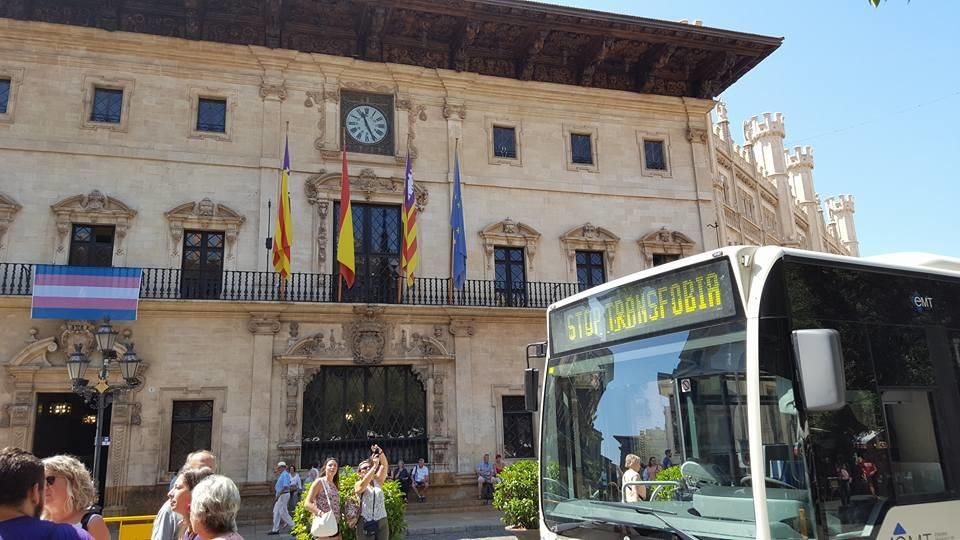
{"x": 345, "y": 255}
{"x": 281, "y": 247}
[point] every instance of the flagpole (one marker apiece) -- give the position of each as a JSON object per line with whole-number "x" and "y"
{"x": 456, "y": 152}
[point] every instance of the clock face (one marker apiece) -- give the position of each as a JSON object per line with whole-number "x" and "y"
{"x": 366, "y": 124}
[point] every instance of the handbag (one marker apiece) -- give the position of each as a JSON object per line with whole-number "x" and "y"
{"x": 371, "y": 526}
{"x": 324, "y": 524}
{"x": 351, "y": 510}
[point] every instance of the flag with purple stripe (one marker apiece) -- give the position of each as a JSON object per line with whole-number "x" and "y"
{"x": 85, "y": 293}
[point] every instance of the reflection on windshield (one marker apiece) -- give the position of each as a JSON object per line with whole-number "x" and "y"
{"x": 658, "y": 423}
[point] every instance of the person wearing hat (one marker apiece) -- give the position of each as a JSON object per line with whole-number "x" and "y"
{"x": 281, "y": 499}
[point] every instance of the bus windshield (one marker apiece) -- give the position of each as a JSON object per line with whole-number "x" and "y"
{"x": 652, "y": 424}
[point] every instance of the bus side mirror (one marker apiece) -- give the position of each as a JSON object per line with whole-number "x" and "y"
{"x": 531, "y": 385}
{"x": 820, "y": 359}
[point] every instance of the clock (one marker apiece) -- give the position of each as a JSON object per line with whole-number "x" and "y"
{"x": 366, "y": 124}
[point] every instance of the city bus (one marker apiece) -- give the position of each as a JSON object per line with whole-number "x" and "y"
{"x": 766, "y": 393}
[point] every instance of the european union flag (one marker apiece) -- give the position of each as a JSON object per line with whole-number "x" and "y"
{"x": 459, "y": 249}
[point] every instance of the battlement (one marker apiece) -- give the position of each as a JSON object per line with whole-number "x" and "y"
{"x": 800, "y": 157}
{"x": 767, "y": 125}
{"x": 841, "y": 203}
{"x": 745, "y": 153}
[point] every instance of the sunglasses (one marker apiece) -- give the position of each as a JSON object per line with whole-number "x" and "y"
{"x": 51, "y": 480}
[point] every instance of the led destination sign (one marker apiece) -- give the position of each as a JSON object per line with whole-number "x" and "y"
{"x": 683, "y": 298}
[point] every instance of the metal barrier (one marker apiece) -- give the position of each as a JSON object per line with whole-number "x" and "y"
{"x": 131, "y": 527}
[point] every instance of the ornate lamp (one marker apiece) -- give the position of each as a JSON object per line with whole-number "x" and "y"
{"x": 129, "y": 364}
{"x": 106, "y": 336}
{"x": 77, "y": 363}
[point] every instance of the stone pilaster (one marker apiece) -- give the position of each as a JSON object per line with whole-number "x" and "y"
{"x": 263, "y": 326}
{"x": 462, "y": 331}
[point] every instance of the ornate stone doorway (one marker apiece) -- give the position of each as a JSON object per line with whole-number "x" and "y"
{"x": 348, "y": 408}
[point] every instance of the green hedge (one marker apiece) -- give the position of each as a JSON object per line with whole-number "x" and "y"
{"x": 666, "y": 493}
{"x": 396, "y": 508}
{"x": 517, "y": 493}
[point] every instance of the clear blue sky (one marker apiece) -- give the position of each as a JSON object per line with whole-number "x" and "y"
{"x": 874, "y": 91}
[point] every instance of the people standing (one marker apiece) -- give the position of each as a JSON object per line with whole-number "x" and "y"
{"x": 296, "y": 487}
{"x": 632, "y": 493}
{"x": 22, "y": 499}
{"x": 373, "y": 511}
{"x": 421, "y": 480}
{"x": 314, "y": 473}
{"x": 167, "y": 521}
{"x": 324, "y": 494}
{"x": 281, "y": 491}
{"x": 214, "y": 504}
{"x": 651, "y": 470}
{"x": 181, "y": 496}
{"x": 69, "y": 494}
{"x": 845, "y": 480}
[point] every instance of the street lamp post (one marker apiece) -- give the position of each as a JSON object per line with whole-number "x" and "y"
{"x": 101, "y": 394}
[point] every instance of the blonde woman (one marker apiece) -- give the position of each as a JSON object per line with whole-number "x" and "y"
{"x": 181, "y": 497}
{"x": 69, "y": 494}
{"x": 632, "y": 493}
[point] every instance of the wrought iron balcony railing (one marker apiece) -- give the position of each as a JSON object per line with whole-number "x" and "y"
{"x": 16, "y": 279}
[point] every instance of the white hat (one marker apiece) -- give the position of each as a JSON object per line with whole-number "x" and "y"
{"x": 281, "y": 464}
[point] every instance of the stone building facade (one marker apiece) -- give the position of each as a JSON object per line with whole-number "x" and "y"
{"x": 765, "y": 194}
{"x": 150, "y": 135}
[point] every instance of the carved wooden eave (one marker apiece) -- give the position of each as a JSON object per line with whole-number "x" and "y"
{"x": 589, "y": 237}
{"x": 325, "y": 186}
{"x": 8, "y": 208}
{"x": 667, "y": 242}
{"x": 510, "y": 233}
{"x": 502, "y": 38}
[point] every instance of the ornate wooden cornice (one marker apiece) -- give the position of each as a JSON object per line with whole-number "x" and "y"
{"x": 501, "y": 38}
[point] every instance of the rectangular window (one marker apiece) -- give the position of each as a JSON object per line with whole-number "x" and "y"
{"x": 664, "y": 258}
{"x": 510, "y": 276}
{"x": 377, "y": 238}
{"x": 4, "y": 95}
{"x": 201, "y": 274}
{"x": 212, "y": 115}
{"x": 654, "y": 155}
{"x": 517, "y": 428}
{"x": 107, "y": 105}
{"x": 504, "y": 142}
{"x": 590, "y": 270}
{"x": 91, "y": 245}
{"x": 581, "y": 149}
{"x": 190, "y": 430}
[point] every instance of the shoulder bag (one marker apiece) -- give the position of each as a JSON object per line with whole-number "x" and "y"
{"x": 324, "y": 524}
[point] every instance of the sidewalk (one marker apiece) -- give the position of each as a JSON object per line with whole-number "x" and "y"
{"x": 426, "y": 526}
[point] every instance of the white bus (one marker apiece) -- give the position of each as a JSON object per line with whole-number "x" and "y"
{"x": 834, "y": 381}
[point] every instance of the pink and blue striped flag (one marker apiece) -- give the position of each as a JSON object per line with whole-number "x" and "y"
{"x": 85, "y": 293}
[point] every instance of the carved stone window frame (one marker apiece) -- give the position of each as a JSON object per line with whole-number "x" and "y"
{"x": 578, "y": 129}
{"x": 665, "y": 242}
{"x": 15, "y": 75}
{"x": 8, "y": 209}
{"x": 491, "y": 122}
{"x": 323, "y": 189}
{"x": 509, "y": 233}
{"x": 166, "y": 396}
{"x": 94, "y": 208}
{"x": 589, "y": 237}
{"x": 90, "y": 85}
{"x": 661, "y": 136}
{"x": 497, "y": 392}
{"x": 195, "y": 94}
{"x": 204, "y": 215}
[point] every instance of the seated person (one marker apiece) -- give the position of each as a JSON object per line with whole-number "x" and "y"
{"x": 498, "y": 466}
{"x": 402, "y": 475}
{"x": 484, "y": 475}
{"x": 421, "y": 480}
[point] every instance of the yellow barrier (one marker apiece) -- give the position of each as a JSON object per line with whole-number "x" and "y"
{"x": 132, "y": 527}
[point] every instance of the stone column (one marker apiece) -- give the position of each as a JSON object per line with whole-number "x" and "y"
{"x": 698, "y": 136}
{"x": 263, "y": 326}
{"x": 462, "y": 331}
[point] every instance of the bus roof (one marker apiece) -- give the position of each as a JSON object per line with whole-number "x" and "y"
{"x": 912, "y": 262}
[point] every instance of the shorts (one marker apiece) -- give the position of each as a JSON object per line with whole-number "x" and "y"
{"x": 421, "y": 484}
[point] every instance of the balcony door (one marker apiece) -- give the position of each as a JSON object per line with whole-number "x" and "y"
{"x": 376, "y": 237}
{"x": 91, "y": 245}
{"x": 202, "y": 268}
{"x": 511, "y": 276}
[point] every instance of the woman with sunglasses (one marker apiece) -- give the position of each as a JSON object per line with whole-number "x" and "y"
{"x": 182, "y": 495}
{"x": 373, "y": 512}
{"x": 69, "y": 494}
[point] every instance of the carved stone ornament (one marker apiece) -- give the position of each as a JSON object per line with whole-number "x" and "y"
{"x": 512, "y": 234}
{"x": 697, "y": 135}
{"x": 316, "y": 99}
{"x": 263, "y": 324}
{"x": 414, "y": 112}
{"x": 666, "y": 242}
{"x": 318, "y": 345}
{"x": 454, "y": 110}
{"x": 8, "y": 208}
{"x": 204, "y": 215}
{"x": 292, "y": 383}
{"x": 94, "y": 208}
{"x": 368, "y": 335}
{"x": 73, "y": 333}
{"x": 273, "y": 90}
{"x": 325, "y": 186}
{"x": 589, "y": 237}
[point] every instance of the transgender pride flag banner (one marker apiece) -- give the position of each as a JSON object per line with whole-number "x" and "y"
{"x": 85, "y": 293}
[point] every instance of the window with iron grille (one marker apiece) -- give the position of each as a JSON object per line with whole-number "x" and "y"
{"x": 4, "y": 95}
{"x": 190, "y": 430}
{"x": 377, "y": 236}
{"x": 212, "y": 115}
{"x": 504, "y": 142}
{"x": 510, "y": 276}
{"x": 107, "y": 105}
{"x": 664, "y": 258}
{"x": 581, "y": 149}
{"x": 654, "y": 155}
{"x": 517, "y": 428}
{"x": 590, "y": 270}
{"x": 201, "y": 273}
{"x": 91, "y": 245}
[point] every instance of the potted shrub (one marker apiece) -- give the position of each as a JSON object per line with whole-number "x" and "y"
{"x": 396, "y": 508}
{"x": 516, "y": 495}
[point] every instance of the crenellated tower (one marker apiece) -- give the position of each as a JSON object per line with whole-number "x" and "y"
{"x": 841, "y": 210}
{"x": 765, "y": 134}
{"x": 800, "y": 171}
{"x": 723, "y": 122}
